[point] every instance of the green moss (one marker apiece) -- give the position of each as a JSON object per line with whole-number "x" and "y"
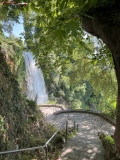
{"x": 111, "y": 140}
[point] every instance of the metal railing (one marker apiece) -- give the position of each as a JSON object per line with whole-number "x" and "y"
{"x": 45, "y": 147}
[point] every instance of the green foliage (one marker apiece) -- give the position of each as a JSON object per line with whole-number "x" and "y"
{"x": 31, "y": 104}
{"x": 110, "y": 139}
{"x": 13, "y": 48}
{"x": 79, "y": 84}
{"x": 109, "y": 109}
{"x": 51, "y": 102}
{"x": 27, "y": 28}
{"x": 1, "y": 122}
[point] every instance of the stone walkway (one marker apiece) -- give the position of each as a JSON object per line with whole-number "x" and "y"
{"x": 85, "y": 145}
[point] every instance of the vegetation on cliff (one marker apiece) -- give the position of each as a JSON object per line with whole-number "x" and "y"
{"x": 12, "y": 48}
{"x": 22, "y": 125}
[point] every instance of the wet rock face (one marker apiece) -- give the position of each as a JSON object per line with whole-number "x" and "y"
{"x": 110, "y": 150}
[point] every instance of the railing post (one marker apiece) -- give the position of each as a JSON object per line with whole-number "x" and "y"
{"x": 46, "y": 152}
{"x": 77, "y": 127}
{"x": 66, "y": 129}
{"x": 74, "y": 125}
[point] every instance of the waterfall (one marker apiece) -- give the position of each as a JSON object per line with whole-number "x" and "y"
{"x": 35, "y": 80}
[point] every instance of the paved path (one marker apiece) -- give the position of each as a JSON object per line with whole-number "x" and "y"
{"x": 85, "y": 145}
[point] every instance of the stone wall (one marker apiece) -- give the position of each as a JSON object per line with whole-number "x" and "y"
{"x": 62, "y": 107}
{"x": 107, "y": 118}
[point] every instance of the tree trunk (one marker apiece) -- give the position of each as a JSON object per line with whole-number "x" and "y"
{"x": 109, "y": 32}
{"x": 117, "y": 130}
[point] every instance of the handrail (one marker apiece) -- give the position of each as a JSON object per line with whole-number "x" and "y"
{"x": 21, "y": 150}
{"x": 54, "y": 134}
{"x": 52, "y": 137}
{"x": 44, "y": 146}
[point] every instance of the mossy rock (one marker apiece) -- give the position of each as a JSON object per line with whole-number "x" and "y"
{"x": 110, "y": 139}
{"x": 109, "y": 145}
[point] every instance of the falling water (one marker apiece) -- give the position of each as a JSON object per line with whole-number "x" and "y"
{"x": 35, "y": 80}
